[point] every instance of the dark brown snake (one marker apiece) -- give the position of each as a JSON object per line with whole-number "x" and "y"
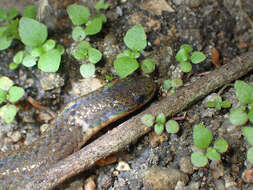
{"x": 76, "y": 123}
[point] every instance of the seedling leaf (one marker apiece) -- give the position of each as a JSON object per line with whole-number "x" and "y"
{"x": 160, "y": 118}
{"x": 199, "y": 159}
{"x": 248, "y": 134}
{"x": 148, "y": 120}
{"x": 238, "y": 116}
{"x": 197, "y": 57}
{"x": 212, "y": 154}
{"x": 87, "y": 70}
{"x": 125, "y": 66}
{"x": 202, "y": 137}
{"x": 172, "y": 126}
{"x": 159, "y": 128}
{"x": 78, "y": 14}
{"x": 50, "y": 61}
{"x": 15, "y": 93}
{"x": 221, "y": 145}
{"x": 8, "y": 112}
{"x": 135, "y": 38}
{"x": 244, "y": 92}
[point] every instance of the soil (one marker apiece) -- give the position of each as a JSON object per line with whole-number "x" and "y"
{"x": 221, "y": 28}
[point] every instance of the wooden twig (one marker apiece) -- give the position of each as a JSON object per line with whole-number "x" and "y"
{"x": 132, "y": 129}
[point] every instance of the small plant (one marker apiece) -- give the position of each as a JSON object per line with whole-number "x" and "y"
{"x": 9, "y": 29}
{"x": 202, "y": 138}
{"x": 38, "y": 49}
{"x": 171, "y": 125}
{"x": 241, "y": 115}
{"x": 126, "y": 62}
{"x": 185, "y": 57}
{"x": 11, "y": 94}
{"x": 218, "y": 103}
{"x": 83, "y": 51}
{"x": 172, "y": 84}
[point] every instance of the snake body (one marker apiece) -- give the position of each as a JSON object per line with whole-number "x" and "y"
{"x": 77, "y": 122}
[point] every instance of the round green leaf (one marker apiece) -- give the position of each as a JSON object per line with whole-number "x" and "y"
{"x": 167, "y": 84}
{"x": 81, "y": 52}
{"x": 124, "y": 66}
{"x": 18, "y": 58}
{"x": 244, "y": 92}
{"x": 30, "y": 12}
{"x": 48, "y": 45}
{"x": 135, "y": 38}
{"x": 5, "y": 42}
{"x": 172, "y": 126}
{"x": 250, "y": 115}
{"x": 29, "y": 61}
{"x": 199, "y": 159}
{"x": 12, "y": 14}
{"x": 13, "y": 65}
{"x": 250, "y": 155}
{"x": 176, "y": 82}
{"x": 248, "y": 134}
{"x": 160, "y": 118}
{"x": 210, "y": 104}
{"x": 78, "y": 33}
{"x": 159, "y": 128}
{"x": 212, "y": 154}
{"x": 93, "y": 26}
{"x": 238, "y": 116}
{"x": 197, "y": 57}
{"x": 50, "y": 61}
{"x": 5, "y": 83}
{"x": 185, "y": 66}
{"x": 87, "y": 70}
{"x": 101, "y": 5}
{"x": 15, "y": 93}
{"x": 225, "y": 104}
{"x": 8, "y": 112}
{"x": 148, "y": 120}
{"x": 2, "y": 96}
{"x": 202, "y": 137}
{"x": 60, "y": 49}
{"x": 182, "y": 55}
{"x": 186, "y": 47}
{"x": 94, "y": 55}
{"x": 221, "y": 145}
{"x": 78, "y": 14}
{"x": 32, "y": 33}
{"x": 147, "y": 66}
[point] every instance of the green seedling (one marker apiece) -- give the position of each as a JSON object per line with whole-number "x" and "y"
{"x": 202, "y": 138}
{"x": 38, "y": 49}
{"x": 241, "y": 115}
{"x": 218, "y": 103}
{"x": 126, "y": 62}
{"x": 9, "y": 29}
{"x": 10, "y": 94}
{"x": 149, "y": 120}
{"x": 82, "y": 51}
{"x": 172, "y": 85}
{"x": 185, "y": 56}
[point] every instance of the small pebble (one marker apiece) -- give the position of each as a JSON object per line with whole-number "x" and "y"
{"x": 186, "y": 165}
{"x": 123, "y": 166}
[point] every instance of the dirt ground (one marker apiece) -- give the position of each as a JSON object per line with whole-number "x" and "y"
{"x": 154, "y": 162}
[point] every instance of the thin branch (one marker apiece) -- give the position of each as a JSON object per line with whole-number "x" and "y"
{"x": 132, "y": 129}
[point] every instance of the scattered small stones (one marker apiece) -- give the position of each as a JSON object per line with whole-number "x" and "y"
{"x": 217, "y": 169}
{"x": 51, "y": 81}
{"x": 186, "y": 165}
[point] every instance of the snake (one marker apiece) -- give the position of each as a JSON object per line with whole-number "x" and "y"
{"x": 76, "y": 123}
